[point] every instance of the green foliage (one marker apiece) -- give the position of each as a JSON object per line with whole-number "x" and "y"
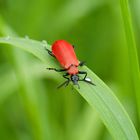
{"x": 132, "y": 50}
{"x": 99, "y": 96}
{"x": 32, "y": 108}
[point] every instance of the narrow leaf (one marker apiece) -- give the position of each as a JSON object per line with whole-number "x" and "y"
{"x": 132, "y": 50}
{"x": 99, "y": 97}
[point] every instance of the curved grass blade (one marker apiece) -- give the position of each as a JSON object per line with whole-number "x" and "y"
{"x": 100, "y": 96}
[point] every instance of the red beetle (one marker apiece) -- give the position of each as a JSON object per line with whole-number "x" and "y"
{"x": 64, "y": 53}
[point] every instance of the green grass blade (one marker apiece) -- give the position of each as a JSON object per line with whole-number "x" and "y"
{"x": 9, "y": 84}
{"x": 88, "y": 123}
{"x": 100, "y": 96}
{"x": 132, "y": 50}
{"x": 34, "y": 106}
{"x": 110, "y": 109}
{"x": 7, "y": 87}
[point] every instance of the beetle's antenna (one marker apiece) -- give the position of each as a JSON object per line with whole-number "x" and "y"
{"x": 63, "y": 84}
{"x": 89, "y": 82}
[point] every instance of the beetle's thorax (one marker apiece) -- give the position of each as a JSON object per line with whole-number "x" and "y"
{"x": 73, "y": 70}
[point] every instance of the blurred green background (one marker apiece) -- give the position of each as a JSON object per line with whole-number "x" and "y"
{"x": 31, "y": 108}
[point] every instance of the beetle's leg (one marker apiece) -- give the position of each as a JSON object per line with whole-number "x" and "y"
{"x": 83, "y": 72}
{"x": 68, "y": 79}
{"x": 65, "y": 76}
{"x": 82, "y": 63}
{"x": 58, "y": 70}
{"x": 73, "y": 46}
{"x": 66, "y": 82}
{"x": 49, "y": 52}
{"x": 84, "y": 79}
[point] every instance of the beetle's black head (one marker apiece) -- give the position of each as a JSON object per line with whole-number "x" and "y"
{"x": 75, "y": 79}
